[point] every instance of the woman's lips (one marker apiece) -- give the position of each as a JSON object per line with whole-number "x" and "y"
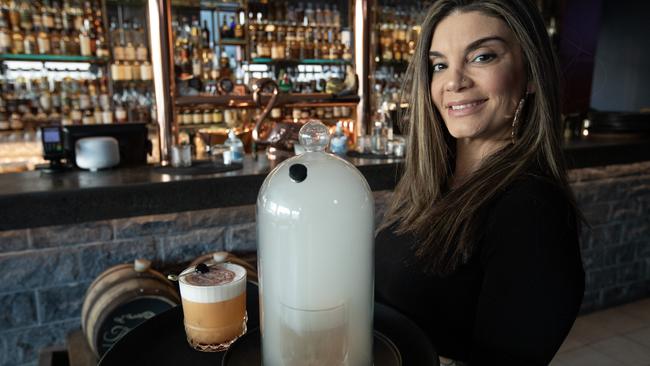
{"x": 465, "y": 108}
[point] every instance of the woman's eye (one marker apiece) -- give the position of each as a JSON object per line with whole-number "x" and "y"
{"x": 486, "y": 57}
{"x": 438, "y": 67}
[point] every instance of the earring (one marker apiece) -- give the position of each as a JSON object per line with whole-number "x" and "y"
{"x": 515, "y": 120}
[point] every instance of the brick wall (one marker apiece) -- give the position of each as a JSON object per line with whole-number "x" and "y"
{"x": 615, "y": 200}
{"x": 44, "y": 272}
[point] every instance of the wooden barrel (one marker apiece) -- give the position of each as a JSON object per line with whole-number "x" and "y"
{"x": 121, "y": 298}
{"x": 249, "y": 263}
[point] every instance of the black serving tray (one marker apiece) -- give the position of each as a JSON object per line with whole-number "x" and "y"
{"x": 161, "y": 341}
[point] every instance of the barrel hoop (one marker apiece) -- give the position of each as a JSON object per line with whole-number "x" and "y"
{"x": 97, "y": 289}
{"x": 113, "y": 294}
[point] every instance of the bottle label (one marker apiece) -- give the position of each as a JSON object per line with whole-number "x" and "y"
{"x": 118, "y": 52}
{"x": 5, "y": 42}
{"x": 146, "y": 72}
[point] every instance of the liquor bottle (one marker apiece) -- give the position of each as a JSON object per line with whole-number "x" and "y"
{"x": 146, "y": 71}
{"x": 4, "y": 120}
{"x": 127, "y": 70}
{"x": 58, "y": 17}
{"x": 37, "y": 19}
{"x": 5, "y": 37}
{"x": 195, "y": 33}
{"x": 97, "y": 114}
{"x": 116, "y": 39}
{"x": 101, "y": 45}
{"x": 43, "y": 42}
{"x": 29, "y": 43}
{"x": 278, "y": 45}
{"x": 120, "y": 114}
{"x": 225, "y": 30}
{"x": 239, "y": 28}
{"x": 129, "y": 52}
{"x": 310, "y": 18}
{"x": 67, "y": 17}
{"x": 76, "y": 115}
{"x": 327, "y": 15}
{"x": 26, "y": 16}
{"x": 88, "y": 118}
{"x": 205, "y": 35}
{"x": 14, "y": 14}
{"x": 142, "y": 52}
{"x": 45, "y": 97}
{"x": 196, "y": 63}
{"x": 309, "y": 45}
{"x": 84, "y": 42}
{"x": 55, "y": 42}
{"x": 336, "y": 16}
{"x": 104, "y": 99}
{"x": 47, "y": 15}
{"x": 252, "y": 31}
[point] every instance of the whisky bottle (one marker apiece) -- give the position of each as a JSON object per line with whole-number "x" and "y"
{"x": 55, "y": 43}
{"x": 5, "y": 37}
{"x": 146, "y": 71}
{"x": 239, "y": 30}
{"x": 26, "y": 16}
{"x": 196, "y": 63}
{"x": 37, "y": 20}
{"x": 43, "y": 42}
{"x": 118, "y": 49}
{"x": 225, "y": 30}
{"x": 14, "y": 14}
{"x": 205, "y": 35}
{"x": 47, "y": 15}
{"x": 29, "y": 43}
{"x": 58, "y": 20}
{"x": 84, "y": 42}
{"x": 129, "y": 52}
{"x": 101, "y": 45}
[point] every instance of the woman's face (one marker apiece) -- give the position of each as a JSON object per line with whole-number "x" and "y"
{"x": 478, "y": 76}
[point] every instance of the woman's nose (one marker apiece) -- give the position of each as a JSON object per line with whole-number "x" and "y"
{"x": 457, "y": 81}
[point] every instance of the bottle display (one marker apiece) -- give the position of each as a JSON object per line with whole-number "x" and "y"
{"x": 131, "y": 71}
{"x": 260, "y": 40}
{"x": 56, "y": 27}
{"x": 284, "y": 30}
{"x": 397, "y": 31}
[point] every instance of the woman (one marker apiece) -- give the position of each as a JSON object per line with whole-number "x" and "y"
{"x": 480, "y": 243}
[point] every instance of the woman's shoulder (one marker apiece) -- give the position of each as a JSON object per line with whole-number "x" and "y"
{"x": 533, "y": 199}
{"x": 532, "y": 189}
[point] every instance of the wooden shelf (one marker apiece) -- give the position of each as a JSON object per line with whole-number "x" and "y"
{"x": 207, "y": 5}
{"x": 306, "y": 61}
{"x": 399, "y": 65}
{"x": 54, "y": 58}
{"x": 246, "y": 101}
{"x": 201, "y": 125}
{"x": 233, "y": 42}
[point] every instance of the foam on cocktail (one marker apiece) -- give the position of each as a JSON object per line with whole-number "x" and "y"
{"x": 223, "y": 282}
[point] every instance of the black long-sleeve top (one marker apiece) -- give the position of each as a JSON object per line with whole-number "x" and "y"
{"x": 514, "y": 301}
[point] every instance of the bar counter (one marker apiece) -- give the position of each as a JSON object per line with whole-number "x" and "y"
{"x": 35, "y": 199}
{"x": 58, "y": 232}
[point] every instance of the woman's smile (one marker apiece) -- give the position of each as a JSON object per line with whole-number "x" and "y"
{"x": 465, "y": 107}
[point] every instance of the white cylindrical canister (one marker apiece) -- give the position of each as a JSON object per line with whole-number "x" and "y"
{"x": 315, "y": 222}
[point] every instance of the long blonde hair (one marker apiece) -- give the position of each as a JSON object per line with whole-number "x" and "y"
{"x": 448, "y": 222}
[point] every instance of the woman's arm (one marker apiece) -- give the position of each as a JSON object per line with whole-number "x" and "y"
{"x": 534, "y": 281}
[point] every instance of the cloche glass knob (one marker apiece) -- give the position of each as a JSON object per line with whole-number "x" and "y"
{"x": 314, "y": 136}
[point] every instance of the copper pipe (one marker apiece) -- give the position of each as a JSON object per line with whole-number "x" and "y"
{"x": 362, "y": 29}
{"x": 160, "y": 37}
{"x": 258, "y": 87}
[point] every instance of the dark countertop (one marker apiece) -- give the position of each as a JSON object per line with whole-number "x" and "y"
{"x": 599, "y": 150}
{"x": 35, "y": 199}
